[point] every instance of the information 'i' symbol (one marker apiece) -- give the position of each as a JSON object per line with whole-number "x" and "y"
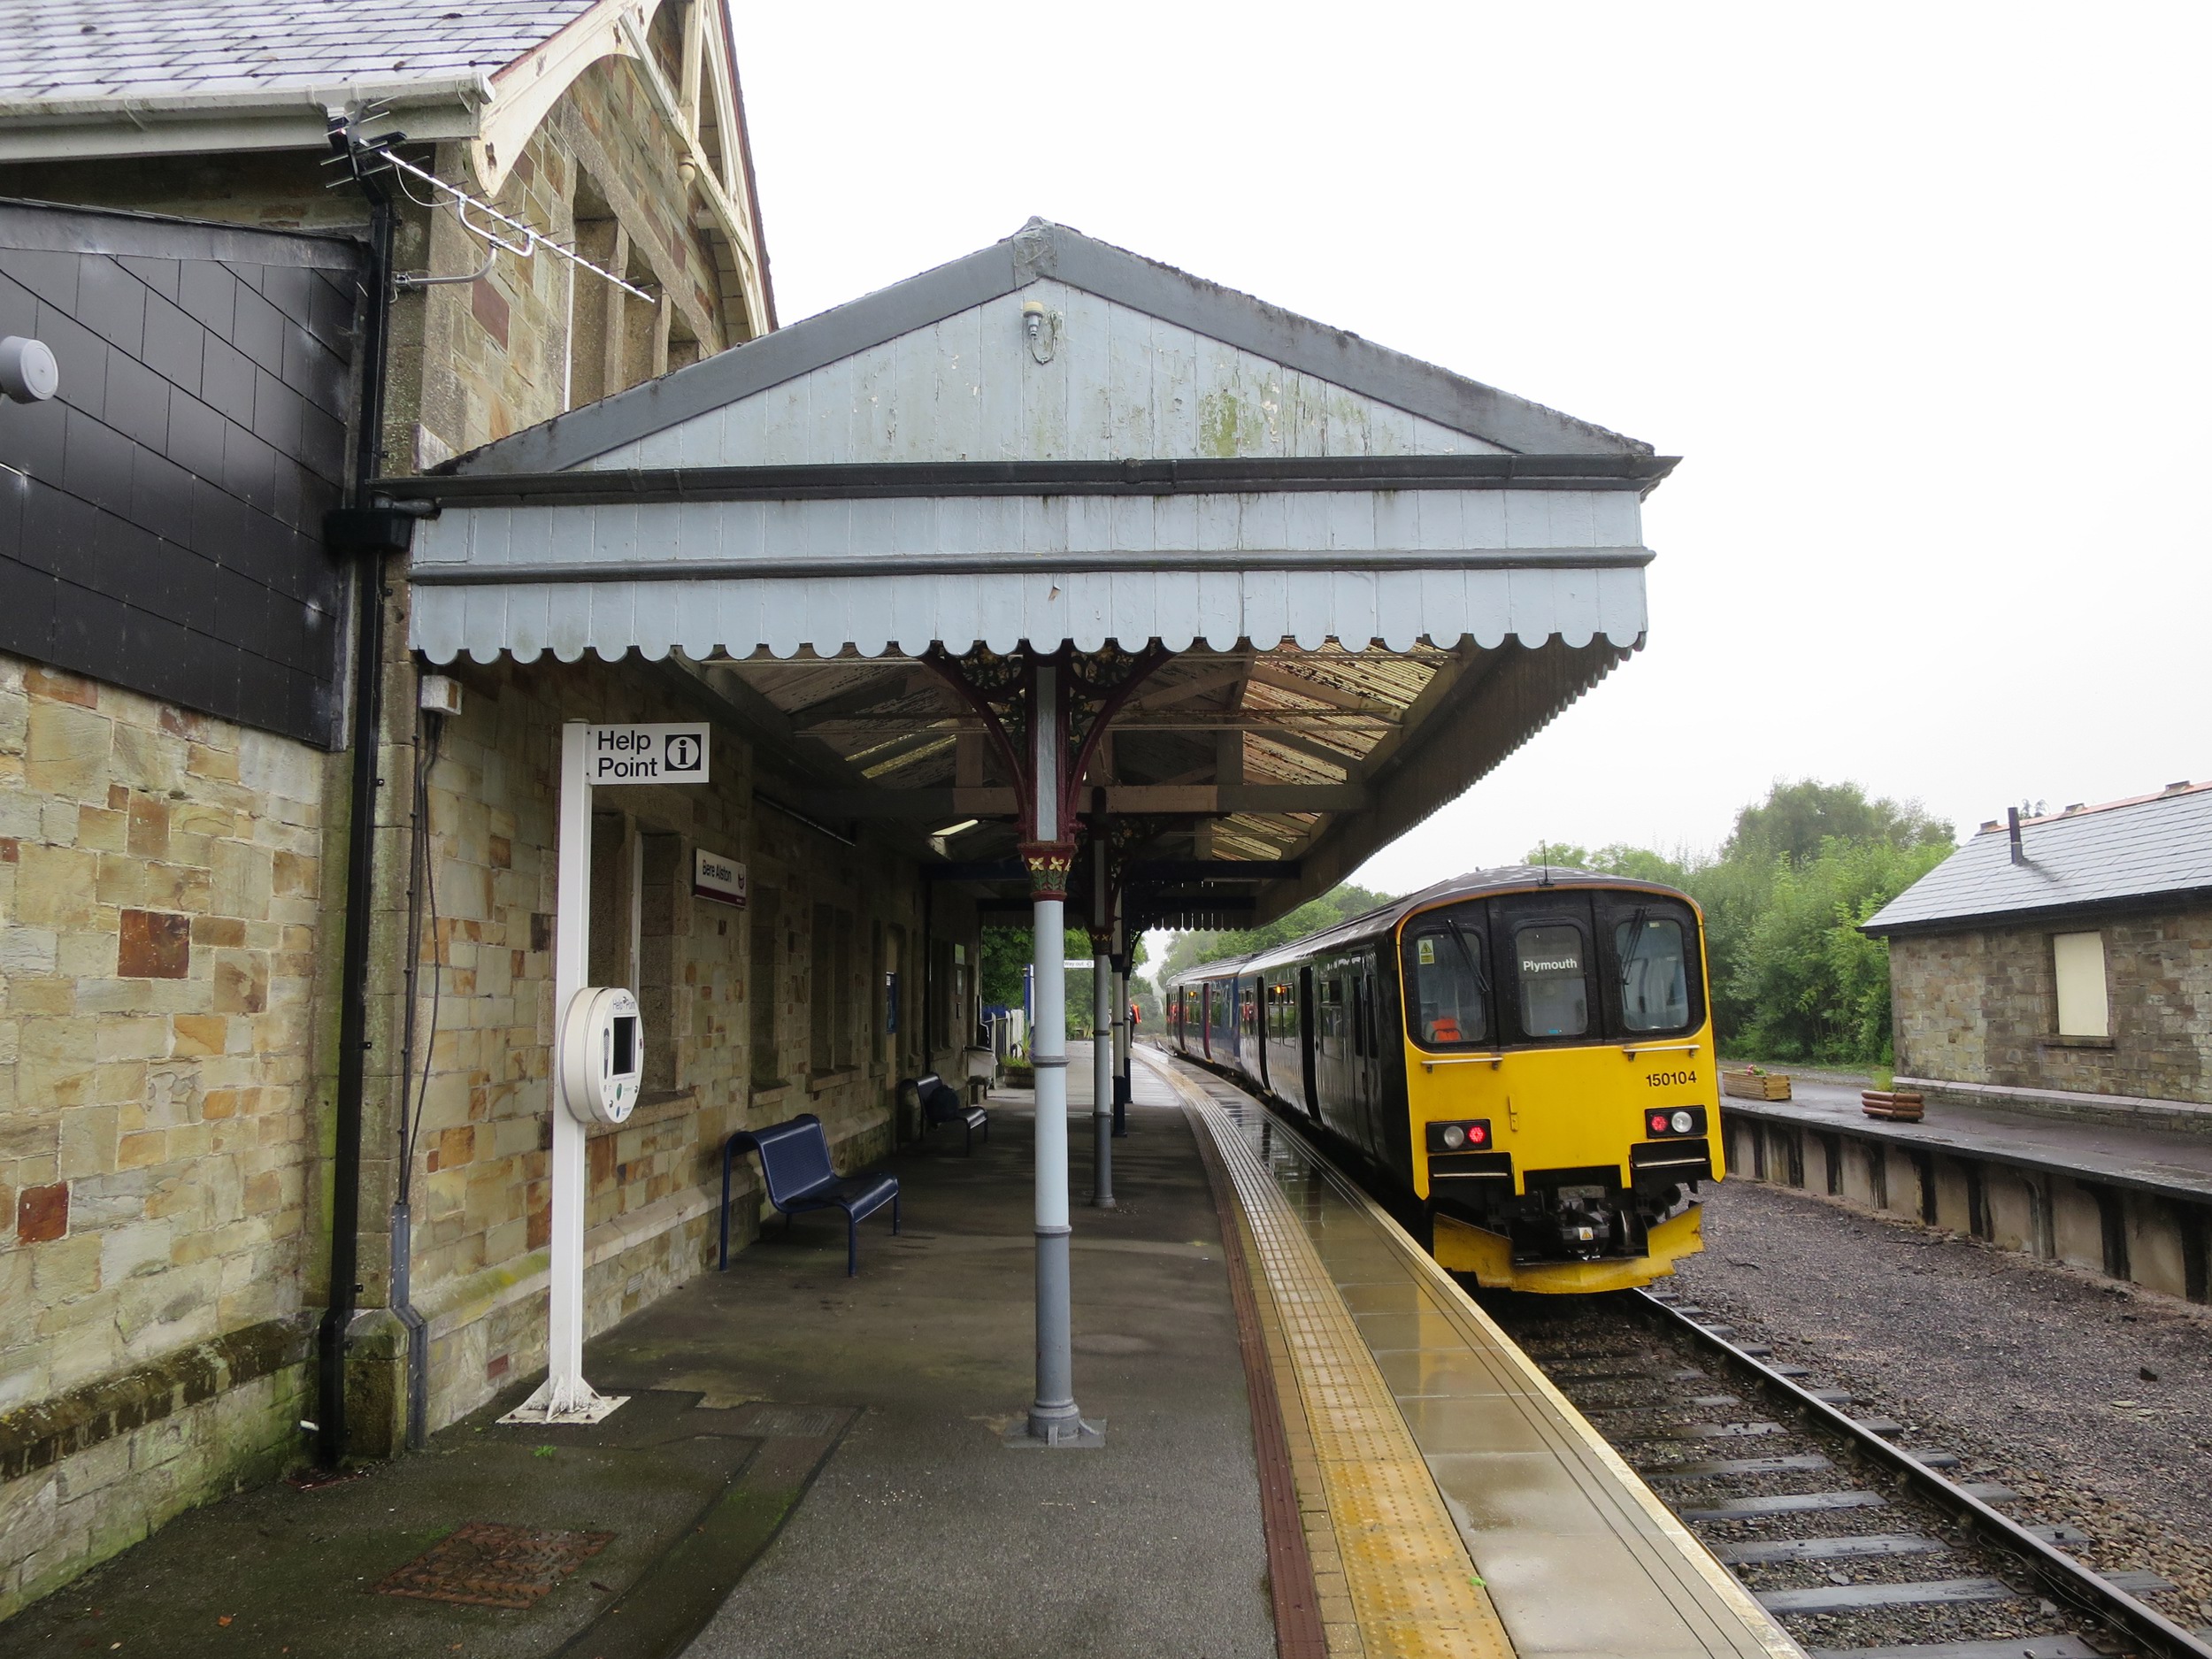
{"x": 683, "y": 753}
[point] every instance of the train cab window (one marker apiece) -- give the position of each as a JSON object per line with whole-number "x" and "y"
{"x": 1555, "y": 982}
{"x": 1445, "y": 1004}
{"x": 1655, "y": 973}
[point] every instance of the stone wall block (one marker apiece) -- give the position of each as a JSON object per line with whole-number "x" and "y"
{"x": 66, "y": 1268}
{"x": 66, "y": 750}
{"x": 154, "y": 945}
{"x": 87, "y": 1141}
{"x": 41, "y": 1213}
{"x": 242, "y": 982}
{"x": 56, "y": 887}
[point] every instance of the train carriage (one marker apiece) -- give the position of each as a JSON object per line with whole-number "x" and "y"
{"x": 1521, "y": 1060}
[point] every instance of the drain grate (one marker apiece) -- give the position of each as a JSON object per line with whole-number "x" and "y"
{"x": 486, "y": 1564}
{"x": 773, "y": 1422}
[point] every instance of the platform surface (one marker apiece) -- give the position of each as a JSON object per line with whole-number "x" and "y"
{"x": 1576, "y": 1554}
{"x": 2159, "y": 1160}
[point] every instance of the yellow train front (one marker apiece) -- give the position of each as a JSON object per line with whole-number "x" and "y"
{"x": 1520, "y": 1061}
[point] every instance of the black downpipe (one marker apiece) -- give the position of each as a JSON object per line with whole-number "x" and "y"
{"x": 353, "y": 1039}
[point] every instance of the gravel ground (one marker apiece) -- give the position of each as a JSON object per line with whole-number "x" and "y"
{"x": 2092, "y": 1401}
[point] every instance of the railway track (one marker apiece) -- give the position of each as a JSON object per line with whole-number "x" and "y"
{"x": 1864, "y": 1544}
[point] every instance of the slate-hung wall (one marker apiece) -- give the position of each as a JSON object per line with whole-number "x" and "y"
{"x": 164, "y": 529}
{"x": 170, "y": 648}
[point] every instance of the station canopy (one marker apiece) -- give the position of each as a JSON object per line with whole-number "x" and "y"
{"x": 1338, "y": 584}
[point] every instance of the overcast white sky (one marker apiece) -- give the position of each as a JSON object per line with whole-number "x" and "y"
{"x": 1919, "y": 292}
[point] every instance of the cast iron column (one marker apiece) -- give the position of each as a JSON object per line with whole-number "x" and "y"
{"x": 1123, "y": 1038}
{"x": 1102, "y": 1035}
{"x": 1053, "y": 1418}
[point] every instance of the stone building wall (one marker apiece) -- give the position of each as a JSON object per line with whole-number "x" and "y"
{"x": 161, "y": 875}
{"x": 1980, "y": 1006}
{"x": 478, "y": 1191}
{"x": 172, "y": 888}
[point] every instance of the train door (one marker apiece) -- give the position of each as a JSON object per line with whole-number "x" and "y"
{"x": 1206, "y": 1020}
{"x": 1362, "y": 1072}
{"x": 1305, "y": 1039}
{"x": 1263, "y": 1005}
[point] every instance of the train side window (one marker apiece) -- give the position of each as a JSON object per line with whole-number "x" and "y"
{"x": 1444, "y": 986}
{"x": 1555, "y": 984}
{"x": 1655, "y": 973}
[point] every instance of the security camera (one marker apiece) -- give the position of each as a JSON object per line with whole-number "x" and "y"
{"x": 28, "y": 373}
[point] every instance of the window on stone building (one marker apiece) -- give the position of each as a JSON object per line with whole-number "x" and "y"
{"x": 664, "y": 918}
{"x": 2078, "y": 969}
{"x": 761, "y": 990}
{"x": 898, "y": 998}
{"x": 847, "y": 1016}
{"x": 616, "y": 852}
{"x": 832, "y": 1010}
{"x": 875, "y": 1029}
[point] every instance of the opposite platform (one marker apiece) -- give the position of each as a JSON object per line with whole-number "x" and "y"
{"x": 1572, "y": 1550}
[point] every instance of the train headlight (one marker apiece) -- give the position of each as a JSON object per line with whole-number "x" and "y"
{"x": 1675, "y": 1120}
{"x": 1469, "y": 1135}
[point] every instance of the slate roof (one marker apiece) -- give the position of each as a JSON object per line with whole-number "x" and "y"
{"x": 83, "y": 50}
{"x": 2078, "y": 859}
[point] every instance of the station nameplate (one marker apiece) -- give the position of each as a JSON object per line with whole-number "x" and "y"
{"x": 717, "y": 878}
{"x": 645, "y": 754}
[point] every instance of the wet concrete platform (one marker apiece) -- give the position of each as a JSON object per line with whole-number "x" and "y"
{"x": 826, "y": 1447}
{"x": 1575, "y": 1556}
{"x": 1317, "y": 1446}
{"x": 2144, "y": 1156}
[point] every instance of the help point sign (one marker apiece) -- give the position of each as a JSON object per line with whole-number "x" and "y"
{"x": 645, "y": 754}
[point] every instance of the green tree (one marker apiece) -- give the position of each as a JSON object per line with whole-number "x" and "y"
{"x": 1638, "y": 863}
{"x": 1792, "y": 978}
{"x": 1795, "y": 819}
{"x": 1006, "y": 952}
{"x": 1810, "y": 985}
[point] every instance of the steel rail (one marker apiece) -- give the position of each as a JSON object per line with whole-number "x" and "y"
{"x": 2059, "y": 1574}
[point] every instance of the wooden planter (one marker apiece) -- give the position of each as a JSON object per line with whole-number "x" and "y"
{"x": 1755, "y": 1085}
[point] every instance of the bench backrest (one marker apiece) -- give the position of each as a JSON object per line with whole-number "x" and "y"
{"x": 941, "y": 1102}
{"x": 795, "y": 1158}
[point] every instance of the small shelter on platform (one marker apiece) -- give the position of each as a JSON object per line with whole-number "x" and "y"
{"x": 1114, "y": 584}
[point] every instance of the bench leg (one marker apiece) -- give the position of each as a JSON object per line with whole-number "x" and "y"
{"x": 967, "y": 1146}
{"x": 894, "y": 1212}
{"x": 852, "y": 1245}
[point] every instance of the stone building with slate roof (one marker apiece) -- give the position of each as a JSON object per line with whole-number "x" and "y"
{"x": 2064, "y": 961}
{"x": 177, "y": 686}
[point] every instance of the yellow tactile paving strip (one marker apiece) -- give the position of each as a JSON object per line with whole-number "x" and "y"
{"x": 1408, "y": 1586}
{"x": 1583, "y": 1559}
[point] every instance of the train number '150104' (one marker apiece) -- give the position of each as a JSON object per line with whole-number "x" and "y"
{"x": 1670, "y": 1080}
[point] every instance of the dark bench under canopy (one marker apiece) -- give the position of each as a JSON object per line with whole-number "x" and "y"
{"x": 941, "y": 1103}
{"x": 794, "y": 1163}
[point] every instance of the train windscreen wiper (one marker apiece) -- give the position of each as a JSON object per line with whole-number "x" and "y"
{"x": 1473, "y": 958}
{"x": 1635, "y": 937}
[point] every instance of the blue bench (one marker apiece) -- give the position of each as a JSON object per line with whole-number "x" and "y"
{"x": 941, "y": 1104}
{"x": 794, "y": 1162}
